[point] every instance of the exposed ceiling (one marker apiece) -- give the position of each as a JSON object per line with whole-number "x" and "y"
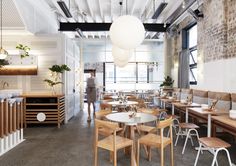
{"x": 44, "y": 16}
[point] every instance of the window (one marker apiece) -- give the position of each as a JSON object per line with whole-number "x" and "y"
{"x": 192, "y": 47}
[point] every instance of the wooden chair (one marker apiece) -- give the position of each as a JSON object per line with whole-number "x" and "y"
{"x": 112, "y": 142}
{"x": 214, "y": 144}
{"x": 158, "y": 141}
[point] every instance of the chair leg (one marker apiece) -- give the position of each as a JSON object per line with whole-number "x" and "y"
{"x": 111, "y": 156}
{"x": 162, "y": 156}
{"x": 138, "y": 149}
{"x": 215, "y": 156}
{"x": 115, "y": 158}
{"x": 186, "y": 140}
{"x": 180, "y": 131}
{"x": 149, "y": 153}
{"x": 172, "y": 154}
{"x": 132, "y": 158}
{"x": 95, "y": 156}
{"x": 198, "y": 153}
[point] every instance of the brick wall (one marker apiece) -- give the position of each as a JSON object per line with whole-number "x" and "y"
{"x": 216, "y": 31}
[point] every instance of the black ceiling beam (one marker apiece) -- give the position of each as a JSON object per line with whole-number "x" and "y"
{"x": 68, "y": 26}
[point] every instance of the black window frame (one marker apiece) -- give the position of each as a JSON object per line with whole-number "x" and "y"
{"x": 191, "y": 49}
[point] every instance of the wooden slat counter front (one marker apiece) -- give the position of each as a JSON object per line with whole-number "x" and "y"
{"x": 225, "y": 123}
{"x": 53, "y": 106}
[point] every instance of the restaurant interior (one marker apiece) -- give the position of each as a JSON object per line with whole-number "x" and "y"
{"x": 118, "y": 82}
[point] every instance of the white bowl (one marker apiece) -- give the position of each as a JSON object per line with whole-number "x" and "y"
{"x": 170, "y": 98}
{"x": 232, "y": 114}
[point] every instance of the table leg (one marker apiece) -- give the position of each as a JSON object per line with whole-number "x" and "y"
{"x": 209, "y": 126}
{"x": 173, "y": 109}
{"x": 164, "y": 105}
{"x": 186, "y": 115}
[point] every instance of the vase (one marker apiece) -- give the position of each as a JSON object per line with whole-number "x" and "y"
{"x": 53, "y": 91}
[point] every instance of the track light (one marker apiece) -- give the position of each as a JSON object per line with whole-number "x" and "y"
{"x": 64, "y": 8}
{"x": 79, "y": 32}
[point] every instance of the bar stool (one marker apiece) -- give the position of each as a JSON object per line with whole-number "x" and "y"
{"x": 214, "y": 144}
{"x": 185, "y": 129}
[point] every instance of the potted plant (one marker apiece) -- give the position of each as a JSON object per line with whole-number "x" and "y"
{"x": 23, "y": 49}
{"x": 56, "y": 71}
{"x": 3, "y": 62}
{"x": 168, "y": 82}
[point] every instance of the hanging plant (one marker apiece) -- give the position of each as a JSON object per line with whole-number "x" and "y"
{"x": 24, "y": 50}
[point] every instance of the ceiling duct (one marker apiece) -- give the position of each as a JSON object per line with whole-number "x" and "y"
{"x": 195, "y": 13}
{"x": 65, "y": 9}
{"x": 158, "y": 11}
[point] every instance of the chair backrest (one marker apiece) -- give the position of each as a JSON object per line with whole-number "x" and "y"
{"x": 105, "y": 106}
{"x": 200, "y": 96}
{"x": 177, "y": 92}
{"x": 165, "y": 123}
{"x": 185, "y": 93}
{"x": 233, "y": 101}
{"x": 224, "y": 100}
{"x": 107, "y": 97}
{"x": 102, "y": 113}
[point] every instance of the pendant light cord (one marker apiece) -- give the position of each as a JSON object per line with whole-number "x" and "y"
{"x": 1, "y": 23}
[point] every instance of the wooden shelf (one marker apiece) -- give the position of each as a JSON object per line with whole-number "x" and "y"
{"x": 52, "y": 106}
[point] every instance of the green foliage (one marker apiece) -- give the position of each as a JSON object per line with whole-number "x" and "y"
{"x": 26, "y": 50}
{"x": 167, "y": 82}
{"x": 59, "y": 69}
{"x": 52, "y": 83}
{"x": 3, "y": 62}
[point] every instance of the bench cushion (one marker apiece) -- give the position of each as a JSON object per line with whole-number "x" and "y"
{"x": 200, "y": 96}
{"x": 224, "y": 100}
{"x": 185, "y": 93}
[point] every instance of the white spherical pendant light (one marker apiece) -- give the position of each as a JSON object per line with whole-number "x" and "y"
{"x": 121, "y": 63}
{"x": 127, "y": 32}
{"x": 121, "y": 54}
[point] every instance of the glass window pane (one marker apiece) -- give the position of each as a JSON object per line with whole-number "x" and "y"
{"x": 127, "y": 73}
{"x": 193, "y": 74}
{"x": 142, "y": 72}
{"x": 109, "y": 75}
{"x": 193, "y": 57}
{"x": 193, "y": 36}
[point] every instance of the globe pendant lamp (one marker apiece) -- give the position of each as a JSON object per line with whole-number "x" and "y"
{"x": 127, "y": 32}
{"x": 121, "y": 57}
{"x": 121, "y": 54}
{"x": 121, "y": 63}
{"x": 3, "y": 52}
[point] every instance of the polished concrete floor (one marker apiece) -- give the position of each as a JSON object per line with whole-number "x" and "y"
{"x": 72, "y": 145}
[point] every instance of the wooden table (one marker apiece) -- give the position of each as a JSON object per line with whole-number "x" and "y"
{"x": 123, "y": 117}
{"x": 168, "y": 100}
{"x": 184, "y": 106}
{"x": 225, "y": 122}
{"x": 204, "y": 111}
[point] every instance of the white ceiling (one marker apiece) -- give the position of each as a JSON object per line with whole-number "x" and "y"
{"x": 43, "y": 16}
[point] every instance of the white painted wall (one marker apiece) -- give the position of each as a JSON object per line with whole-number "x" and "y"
{"x": 218, "y": 75}
{"x": 49, "y": 50}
